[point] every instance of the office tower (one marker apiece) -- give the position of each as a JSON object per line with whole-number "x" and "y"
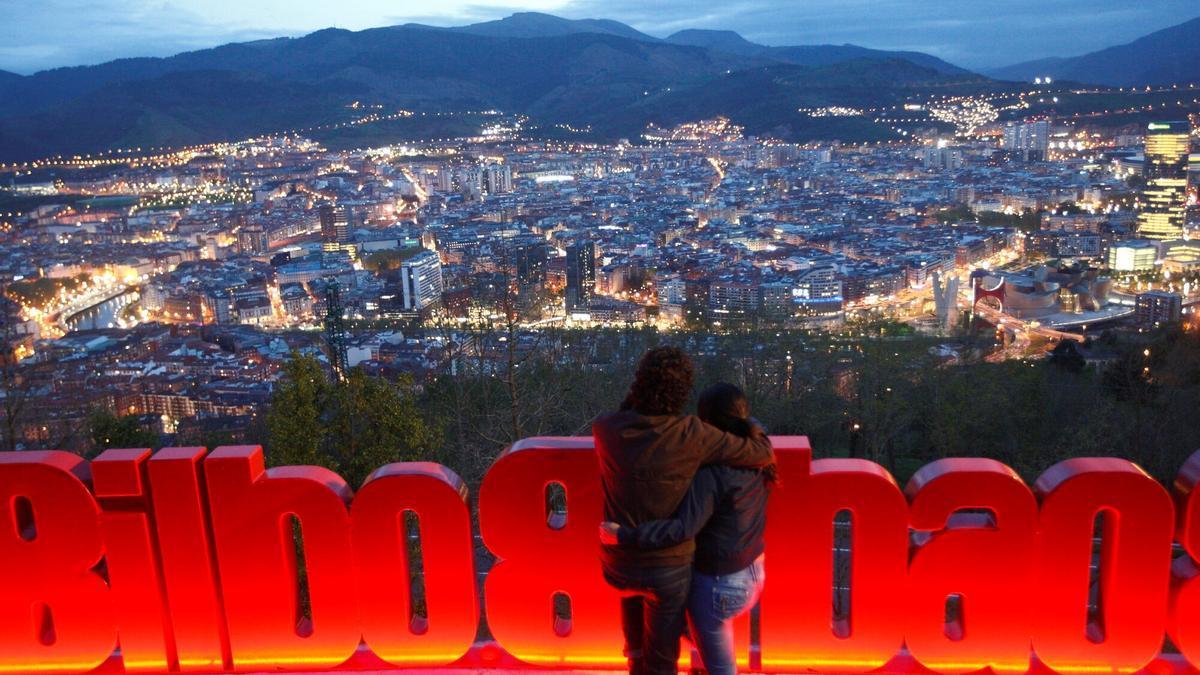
{"x": 581, "y": 275}
{"x": 529, "y": 263}
{"x": 335, "y": 226}
{"x": 498, "y": 178}
{"x": 1030, "y": 140}
{"x": 421, "y": 280}
{"x": 1164, "y": 199}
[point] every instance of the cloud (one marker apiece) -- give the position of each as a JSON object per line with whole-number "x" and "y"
{"x": 975, "y": 33}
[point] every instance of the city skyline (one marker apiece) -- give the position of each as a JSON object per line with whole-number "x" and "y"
{"x": 63, "y": 33}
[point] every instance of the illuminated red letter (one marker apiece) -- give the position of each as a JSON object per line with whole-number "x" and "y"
{"x": 437, "y": 496}
{"x": 259, "y": 570}
{"x": 794, "y": 457}
{"x": 1134, "y": 566}
{"x": 984, "y": 559}
{"x": 537, "y": 560}
{"x": 186, "y": 554}
{"x": 798, "y": 627}
{"x": 119, "y": 481}
{"x": 55, "y": 612}
{"x": 1183, "y": 621}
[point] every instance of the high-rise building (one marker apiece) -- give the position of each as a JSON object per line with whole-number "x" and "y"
{"x": 421, "y": 280}
{"x": 732, "y": 300}
{"x": 1164, "y": 199}
{"x": 470, "y": 182}
{"x": 1158, "y": 307}
{"x": 943, "y": 158}
{"x": 581, "y": 275}
{"x": 1030, "y": 140}
{"x": 529, "y": 263}
{"x": 498, "y": 179}
{"x": 335, "y": 226}
{"x": 252, "y": 239}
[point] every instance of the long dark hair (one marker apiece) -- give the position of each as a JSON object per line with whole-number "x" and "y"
{"x": 725, "y": 406}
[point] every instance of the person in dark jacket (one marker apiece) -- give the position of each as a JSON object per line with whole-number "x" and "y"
{"x": 725, "y": 511}
{"x": 649, "y": 453}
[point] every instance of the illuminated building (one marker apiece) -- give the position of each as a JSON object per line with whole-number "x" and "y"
{"x": 581, "y": 275}
{"x": 529, "y": 262}
{"x": 421, "y": 280}
{"x": 1158, "y": 307}
{"x": 1181, "y": 256}
{"x": 1134, "y": 256}
{"x": 942, "y": 158}
{"x": 1065, "y": 244}
{"x": 335, "y": 226}
{"x": 335, "y": 229}
{"x": 1043, "y": 292}
{"x": 1165, "y": 195}
{"x": 818, "y": 292}
{"x": 498, "y": 179}
{"x": 1030, "y": 140}
{"x": 732, "y": 300}
{"x": 252, "y": 239}
{"x": 776, "y": 300}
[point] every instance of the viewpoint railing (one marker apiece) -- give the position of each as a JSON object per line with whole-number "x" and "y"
{"x": 187, "y": 560}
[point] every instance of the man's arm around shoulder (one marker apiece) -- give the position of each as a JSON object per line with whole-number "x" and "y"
{"x": 720, "y": 447}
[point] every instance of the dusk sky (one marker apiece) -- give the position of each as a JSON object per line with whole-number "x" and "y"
{"x": 40, "y": 34}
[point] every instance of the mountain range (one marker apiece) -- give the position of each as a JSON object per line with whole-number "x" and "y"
{"x": 1168, "y": 56}
{"x": 597, "y": 73}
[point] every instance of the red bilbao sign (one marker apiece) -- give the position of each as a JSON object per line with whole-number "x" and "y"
{"x": 184, "y": 560}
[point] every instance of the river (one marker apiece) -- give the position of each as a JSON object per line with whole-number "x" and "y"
{"x": 102, "y": 315}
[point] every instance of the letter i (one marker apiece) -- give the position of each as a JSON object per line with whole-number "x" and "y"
{"x": 143, "y": 627}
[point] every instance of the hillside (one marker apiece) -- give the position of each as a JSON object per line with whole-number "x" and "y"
{"x": 577, "y": 72}
{"x": 765, "y": 99}
{"x": 536, "y": 24}
{"x": 1168, "y": 56}
{"x": 243, "y": 89}
{"x": 803, "y": 55}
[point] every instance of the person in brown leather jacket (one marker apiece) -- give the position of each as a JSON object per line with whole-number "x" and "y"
{"x": 649, "y": 451}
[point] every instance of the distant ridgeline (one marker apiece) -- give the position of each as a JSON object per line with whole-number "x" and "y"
{"x": 594, "y": 75}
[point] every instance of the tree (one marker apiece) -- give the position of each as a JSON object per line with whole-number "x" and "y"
{"x": 1068, "y": 355}
{"x": 295, "y": 433}
{"x": 352, "y": 427}
{"x": 375, "y": 422}
{"x": 12, "y": 384}
{"x": 107, "y": 430}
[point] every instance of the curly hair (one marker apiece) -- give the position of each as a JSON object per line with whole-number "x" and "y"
{"x": 662, "y": 384}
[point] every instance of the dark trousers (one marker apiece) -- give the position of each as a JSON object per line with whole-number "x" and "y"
{"x": 652, "y": 615}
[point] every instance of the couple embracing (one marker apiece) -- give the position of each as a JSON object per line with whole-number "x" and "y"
{"x": 685, "y": 501}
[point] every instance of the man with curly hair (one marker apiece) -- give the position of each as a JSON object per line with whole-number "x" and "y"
{"x": 649, "y": 451}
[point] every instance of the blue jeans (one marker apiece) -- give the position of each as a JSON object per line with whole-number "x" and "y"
{"x": 713, "y": 604}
